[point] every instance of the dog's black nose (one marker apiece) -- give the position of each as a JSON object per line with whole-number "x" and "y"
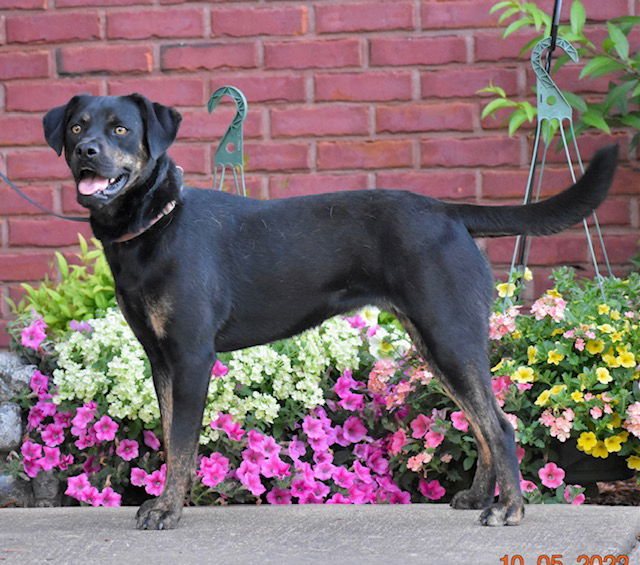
{"x": 88, "y": 149}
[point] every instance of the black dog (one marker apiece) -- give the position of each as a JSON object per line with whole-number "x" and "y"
{"x": 200, "y": 271}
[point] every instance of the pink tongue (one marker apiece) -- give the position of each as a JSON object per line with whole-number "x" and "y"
{"x": 92, "y": 184}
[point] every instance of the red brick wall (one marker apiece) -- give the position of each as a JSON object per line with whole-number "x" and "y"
{"x": 342, "y": 94}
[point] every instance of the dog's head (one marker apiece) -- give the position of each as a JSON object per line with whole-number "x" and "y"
{"x": 111, "y": 143}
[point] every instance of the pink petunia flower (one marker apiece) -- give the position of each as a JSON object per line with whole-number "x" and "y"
{"x": 108, "y": 497}
{"x": 432, "y": 490}
{"x": 575, "y": 500}
{"x": 313, "y": 428}
{"x": 105, "y": 429}
{"x": 39, "y": 383}
{"x": 154, "y": 483}
{"x": 31, "y": 467}
{"x": 352, "y": 401}
{"x": 53, "y": 435}
{"x": 50, "y": 458}
{"x": 420, "y": 426}
{"x": 527, "y": 486}
{"x": 137, "y": 476}
{"x": 91, "y": 496}
{"x": 34, "y": 334}
{"x": 77, "y": 486}
{"x": 151, "y": 440}
{"x": 31, "y": 450}
{"x": 433, "y": 438}
{"x": 219, "y": 370}
{"x": 338, "y": 498}
{"x": 551, "y": 475}
{"x": 84, "y": 416}
{"x": 127, "y": 449}
{"x": 397, "y": 441}
{"x": 354, "y": 429}
{"x": 343, "y": 478}
{"x": 459, "y": 421}
{"x": 279, "y": 496}
{"x": 226, "y": 423}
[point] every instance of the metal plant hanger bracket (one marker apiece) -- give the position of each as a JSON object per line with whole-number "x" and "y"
{"x": 230, "y": 151}
{"x": 552, "y": 105}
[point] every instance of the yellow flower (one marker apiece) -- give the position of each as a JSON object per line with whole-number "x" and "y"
{"x": 516, "y": 334}
{"x": 497, "y": 367}
{"x": 523, "y": 375}
{"x": 616, "y": 336}
{"x": 543, "y": 398}
{"x": 553, "y": 292}
{"x": 587, "y": 441}
{"x": 604, "y": 309}
{"x": 600, "y": 450}
{"x": 613, "y": 444}
{"x": 505, "y": 289}
{"x": 557, "y": 389}
{"x": 615, "y": 315}
{"x": 611, "y": 360}
{"x": 603, "y": 375}
{"x": 606, "y": 328}
{"x": 554, "y": 357}
{"x": 528, "y": 275}
{"x": 558, "y": 331}
{"x": 615, "y": 423}
{"x": 577, "y": 396}
{"x": 627, "y": 359}
{"x": 633, "y": 462}
{"x": 595, "y": 346}
{"x": 532, "y": 354}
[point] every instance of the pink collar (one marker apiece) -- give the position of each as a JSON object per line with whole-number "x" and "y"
{"x": 131, "y": 235}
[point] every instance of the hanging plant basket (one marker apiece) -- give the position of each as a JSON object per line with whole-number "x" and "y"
{"x": 583, "y": 469}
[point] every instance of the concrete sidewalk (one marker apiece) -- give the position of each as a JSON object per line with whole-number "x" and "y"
{"x": 419, "y": 533}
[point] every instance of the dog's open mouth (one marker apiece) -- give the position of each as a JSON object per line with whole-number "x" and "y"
{"x": 92, "y": 184}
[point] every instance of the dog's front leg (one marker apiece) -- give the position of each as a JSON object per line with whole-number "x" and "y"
{"x": 181, "y": 385}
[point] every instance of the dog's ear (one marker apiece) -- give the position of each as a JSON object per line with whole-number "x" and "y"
{"x": 55, "y": 122}
{"x": 161, "y": 124}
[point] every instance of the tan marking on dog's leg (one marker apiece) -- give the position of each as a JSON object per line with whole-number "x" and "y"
{"x": 158, "y": 313}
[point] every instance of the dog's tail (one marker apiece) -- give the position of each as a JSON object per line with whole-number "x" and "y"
{"x": 547, "y": 216}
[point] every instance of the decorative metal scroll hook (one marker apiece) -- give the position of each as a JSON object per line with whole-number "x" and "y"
{"x": 551, "y": 103}
{"x": 230, "y": 150}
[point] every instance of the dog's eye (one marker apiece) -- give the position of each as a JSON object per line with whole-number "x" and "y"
{"x": 120, "y": 130}
{"x": 76, "y": 129}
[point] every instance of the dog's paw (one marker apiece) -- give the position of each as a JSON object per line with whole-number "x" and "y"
{"x": 501, "y": 514}
{"x": 469, "y": 499}
{"x": 155, "y": 515}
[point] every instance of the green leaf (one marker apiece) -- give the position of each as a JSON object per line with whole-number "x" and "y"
{"x": 599, "y": 66}
{"x": 495, "y": 105}
{"x": 529, "y": 110}
{"x": 578, "y": 17}
{"x": 576, "y": 101}
{"x": 617, "y": 96}
{"x": 491, "y": 89}
{"x": 596, "y": 120}
{"x": 620, "y": 41}
{"x": 516, "y": 120}
{"x": 63, "y": 267}
{"x": 515, "y": 26}
{"x": 507, "y": 14}
{"x": 501, "y": 5}
{"x": 631, "y": 120}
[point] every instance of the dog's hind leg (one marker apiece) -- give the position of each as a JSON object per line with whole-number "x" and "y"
{"x": 448, "y": 307}
{"x": 464, "y": 373}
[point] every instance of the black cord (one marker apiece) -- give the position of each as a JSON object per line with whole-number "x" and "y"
{"x": 45, "y": 210}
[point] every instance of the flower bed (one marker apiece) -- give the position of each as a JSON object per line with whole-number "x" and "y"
{"x": 343, "y": 413}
